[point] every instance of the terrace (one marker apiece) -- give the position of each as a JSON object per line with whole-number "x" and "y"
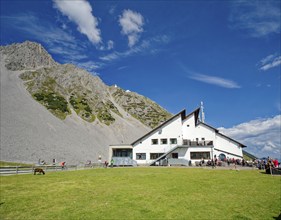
{"x": 190, "y": 143}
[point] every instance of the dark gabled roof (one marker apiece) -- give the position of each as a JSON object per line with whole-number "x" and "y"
{"x": 217, "y": 131}
{"x": 182, "y": 113}
{"x": 196, "y": 112}
{"x": 209, "y": 126}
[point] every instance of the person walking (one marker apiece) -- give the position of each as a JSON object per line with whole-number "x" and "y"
{"x": 111, "y": 163}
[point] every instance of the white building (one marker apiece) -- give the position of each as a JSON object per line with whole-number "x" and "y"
{"x": 180, "y": 140}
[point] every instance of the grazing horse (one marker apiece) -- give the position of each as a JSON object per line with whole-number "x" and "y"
{"x": 39, "y": 170}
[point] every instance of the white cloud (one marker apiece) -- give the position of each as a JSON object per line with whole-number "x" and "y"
{"x": 68, "y": 53}
{"x": 131, "y": 23}
{"x": 30, "y": 24}
{"x": 269, "y": 62}
{"x": 90, "y": 66}
{"x": 214, "y": 80}
{"x": 257, "y": 18}
{"x": 112, "y": 9}
{"x": 142, "y": 48}
{"x": 110, "y": 45}
{"x": 56, "y": 40}
{"x": 80, "y": 12}
{"x": 261, "y": 136}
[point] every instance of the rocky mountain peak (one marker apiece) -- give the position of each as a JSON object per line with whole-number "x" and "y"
{"x": 26, "y": 55}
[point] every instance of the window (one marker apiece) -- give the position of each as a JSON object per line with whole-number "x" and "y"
{"x": 122, "y": 153}
{"x": 175, "y": 155}
{"x": 173, "y": 141}
{"x": 154, "y": 141}
{"x": 154, "y": 156}
{"x": 164, "y": 141}
{"x": 199, "y": 155}
{"x": 141, "y": 156}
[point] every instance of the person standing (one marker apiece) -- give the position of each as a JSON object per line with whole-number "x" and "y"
{"x": 111, "y": 163}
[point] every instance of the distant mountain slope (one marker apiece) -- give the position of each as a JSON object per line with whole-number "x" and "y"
{"x": 89, "y": 115}
{"x": 64, "y": 87}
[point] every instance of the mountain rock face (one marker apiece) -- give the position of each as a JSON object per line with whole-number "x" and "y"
{"x": 54, "y": 111}
{"x": 27, "y": 55}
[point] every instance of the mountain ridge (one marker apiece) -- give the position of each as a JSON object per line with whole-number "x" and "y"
{"x": 76, "y": 88}
{"x": 77, "y": 101}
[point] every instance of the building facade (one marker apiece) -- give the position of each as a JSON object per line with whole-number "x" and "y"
{"x": 183, "y": 139}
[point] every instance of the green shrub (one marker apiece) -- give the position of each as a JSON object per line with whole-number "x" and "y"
{"x": 54, "y": 102}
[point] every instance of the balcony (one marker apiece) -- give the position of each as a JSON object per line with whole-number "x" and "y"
{"x": 190, "y": 143}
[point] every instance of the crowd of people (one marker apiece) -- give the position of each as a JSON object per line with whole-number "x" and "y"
{"x": 259, "y": 163}
{"x": 267, "y": 163}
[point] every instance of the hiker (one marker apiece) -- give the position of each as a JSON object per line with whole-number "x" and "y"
{"x": 213, "y": 163}
{"x": 105, "y": 164}
{"x": 276, "y": 163}
{"x": 62, "y": 165}
{"x": 201, "y": 162}
{"x": 99, "y": 161}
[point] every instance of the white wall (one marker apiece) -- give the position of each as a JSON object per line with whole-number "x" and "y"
{"x": 170, "y": 130}
{"x": 227, "y": 145}
{"x": 219, "y": 142}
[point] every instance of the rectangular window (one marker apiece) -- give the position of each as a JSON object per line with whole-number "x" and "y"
{"x": 173, "y": 141}
{"x": 154, "y": 156}
{"x": 199, "y": 155}
{"x": 164, "y": 141}
{"x": 122, "y": 153}
{"x": 175, "y": 155}
{"x": 186, "y": 142}
{"x": 154, "y": 141}
{"x": 141, "y": 156}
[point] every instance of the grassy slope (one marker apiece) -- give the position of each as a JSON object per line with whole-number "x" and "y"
{"x": 141, "y": 193}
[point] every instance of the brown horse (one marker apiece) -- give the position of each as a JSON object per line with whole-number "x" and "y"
{"x": 39, "y": 170}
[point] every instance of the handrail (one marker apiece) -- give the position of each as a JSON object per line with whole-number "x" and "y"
{"x": 187, "y": 142}
{"x": 164, "y": 155}
{"x": 10, "y": 170}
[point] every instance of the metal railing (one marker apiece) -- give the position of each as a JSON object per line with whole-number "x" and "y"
{"x": 178, "y": 162}
{"x": 186, "y": 142}
{"x": 123, "y": 161}
{"x": 12, "y": 170}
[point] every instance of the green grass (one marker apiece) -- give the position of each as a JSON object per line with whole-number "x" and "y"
{"x": 141, "y": 193}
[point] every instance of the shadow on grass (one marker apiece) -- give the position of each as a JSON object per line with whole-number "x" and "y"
{"x": 273, "y": 174}
{"x": 278, "y": 217}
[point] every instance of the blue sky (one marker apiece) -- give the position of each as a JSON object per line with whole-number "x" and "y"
{"x": 177, "y": 53}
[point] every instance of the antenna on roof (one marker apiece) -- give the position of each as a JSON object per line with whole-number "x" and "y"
{"x": 202, "y": 113}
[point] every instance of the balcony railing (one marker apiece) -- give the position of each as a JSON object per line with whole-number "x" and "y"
{"x": 190, "y": 143}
